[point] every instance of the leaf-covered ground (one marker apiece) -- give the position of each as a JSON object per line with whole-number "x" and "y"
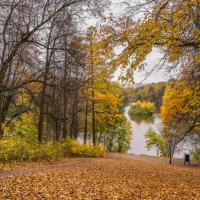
{"x": 114, "y": 177}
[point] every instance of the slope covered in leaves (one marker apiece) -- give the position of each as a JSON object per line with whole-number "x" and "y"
{"x": 108, "y": 178}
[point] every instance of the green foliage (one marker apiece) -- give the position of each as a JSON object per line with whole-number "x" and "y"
{"x": 20, "y": 149}
{"x": 139, "y": 111}
{"x": 153, "y": 139}
{"x": 152, "y": 92}
{"x": 142, "y": 109}
{"x": 195, "y": 153}
{"x": 128, "y": 95}
{"x": 120, "y": 137}
{"x": 25, "y": 126}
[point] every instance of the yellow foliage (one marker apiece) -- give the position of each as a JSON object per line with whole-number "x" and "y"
{"x": 172, "y": 26}
{"x": 5, "y": 128}
{"x": 20, "y": 149}
{"x": 181, "y": 104}
{"x": 145, "y": 104}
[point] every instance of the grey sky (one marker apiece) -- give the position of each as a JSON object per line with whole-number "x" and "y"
{"x": 151, "y": 60}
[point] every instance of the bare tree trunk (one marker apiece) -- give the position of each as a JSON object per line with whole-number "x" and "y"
{"x": 86, "y": 123}
{"x": 93, "y": 93}
{"x": 65, "y": 95}
{"x": 100, "y": 137}
{"x": 170, "y": 159}
{"x": 74, "y": 124}
{"x": 76, "y": 127}
{"x": 1, "y": 114}
{"x": 54, "y": 112}
{"x": 57, "y": 130}
{"x": 93, "y": 111}
{"x": 64, "y": 114}
{"x": 42, "y": 100}
{"x": 170, "y": 153}
{"x": 41, "y": 115}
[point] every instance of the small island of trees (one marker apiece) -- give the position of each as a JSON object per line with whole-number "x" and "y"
{"x": 142, "y": 109}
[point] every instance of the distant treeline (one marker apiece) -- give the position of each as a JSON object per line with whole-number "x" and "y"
{"x": 152, "y": 92}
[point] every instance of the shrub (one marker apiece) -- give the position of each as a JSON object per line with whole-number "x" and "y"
{"x": 120, "y": 137}
{"x": 155, "y": 140}
{"x": 25, "y": 127}
{"x": 73, "y": 148}
{"x": 13, "y": 150}
{"x": 195, "y": 153}
{"x": 20, "y": 149}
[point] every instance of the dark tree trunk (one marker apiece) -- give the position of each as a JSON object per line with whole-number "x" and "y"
{"x": 1, "y": 114}
{"x": 93, "y": 119}
{"x": 64, "y": 115}
{"x": 86, "y": 123}
{"x": 41, "y": 115}
{"x": 57, "y": 130}
{"x": 74, "y": 122}
{"x": 170, "y": 153}
{"x": 65, "y": 96}
{"x": 93, "y": 109}
{"x": 100, "y": 137}
{"x": 6, "y": 106}
{"x": 42, "y": 99}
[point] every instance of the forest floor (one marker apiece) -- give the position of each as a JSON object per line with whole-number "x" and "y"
{"x": 117, "y": 176}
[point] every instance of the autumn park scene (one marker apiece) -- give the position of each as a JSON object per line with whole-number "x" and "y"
{"x": 99, "y": 99}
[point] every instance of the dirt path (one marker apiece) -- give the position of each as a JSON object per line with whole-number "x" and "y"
{"x": 153, "y": 159}
{"x": 72, "y": 163}
{"x": 45, "y": 168}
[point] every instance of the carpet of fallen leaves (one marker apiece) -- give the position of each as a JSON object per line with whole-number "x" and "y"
{"x": 104, "y": 178}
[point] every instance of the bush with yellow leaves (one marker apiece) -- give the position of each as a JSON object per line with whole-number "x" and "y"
{"x": 73, "y": 148}
{"x": 20, "y": 149}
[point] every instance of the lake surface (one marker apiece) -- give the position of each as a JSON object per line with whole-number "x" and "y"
{"x": 139, "y": 128}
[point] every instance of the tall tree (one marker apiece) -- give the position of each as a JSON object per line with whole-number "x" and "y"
{"x": 23, "y": 28}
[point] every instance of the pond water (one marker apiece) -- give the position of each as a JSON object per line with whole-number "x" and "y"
{"x": 139, "y": 128}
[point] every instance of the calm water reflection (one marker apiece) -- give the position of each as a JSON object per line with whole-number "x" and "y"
{"x": 140, "y": 127}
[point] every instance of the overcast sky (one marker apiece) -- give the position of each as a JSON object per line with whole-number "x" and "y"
{"x": 151, "y": 60}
